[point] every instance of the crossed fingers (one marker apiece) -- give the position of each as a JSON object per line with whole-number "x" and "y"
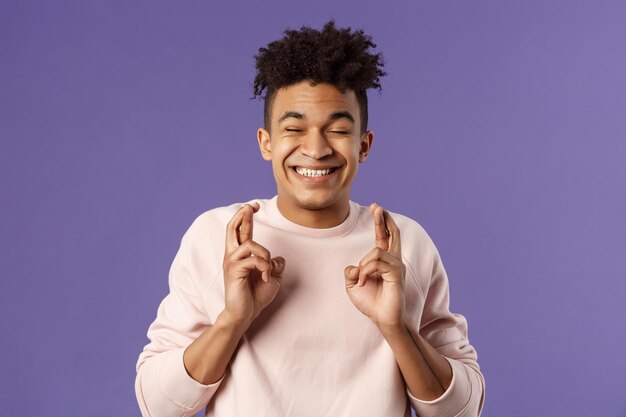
{"x": 387, "y": 232}
{"x": 239, "y": 228}
{"x": 240, "y": 247}
{"x": 386, "y": 257}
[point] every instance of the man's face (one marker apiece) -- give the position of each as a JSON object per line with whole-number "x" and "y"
{"x": 315, "y": 146}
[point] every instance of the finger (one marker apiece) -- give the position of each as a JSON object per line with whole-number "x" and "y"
{"x": 247, "y": 248}
{"x": 351, "y": 274}
{"x": 380, "y": 229}
{"x": 245, "y": 266}
{"x": 374, "y": 269}
{"x": 278, "y": 266}
{"x": 394, "y": 232}
{"x": 232, "y": 241}
{"x": 245, "y": 232}
{"x": 377, "y": 254}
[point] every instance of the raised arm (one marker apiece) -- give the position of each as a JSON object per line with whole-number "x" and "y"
{"x": 437, "y": 362}
{"x": 180, "y": 370}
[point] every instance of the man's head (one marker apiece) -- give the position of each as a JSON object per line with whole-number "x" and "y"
{"x": 315, "y": 112}
{"x": 333, "y": 55}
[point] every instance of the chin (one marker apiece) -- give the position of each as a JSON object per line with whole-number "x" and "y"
{"x": 315, "y": 202}
{"x": 311, "y": 204}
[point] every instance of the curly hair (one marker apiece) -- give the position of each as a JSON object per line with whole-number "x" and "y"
{"x": 333, "y": 55}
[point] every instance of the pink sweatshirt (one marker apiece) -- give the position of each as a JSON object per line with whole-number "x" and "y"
{"x": 310, "y": 352}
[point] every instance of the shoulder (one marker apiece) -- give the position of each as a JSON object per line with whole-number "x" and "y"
{"x": 213, "y": 222}
{"x": 414, "y": 238}
{"x": 413, "y": 235}
{"x": 411, "y": 231}
{"x": 408, "y": 225}
{"x": 418, "y": 250}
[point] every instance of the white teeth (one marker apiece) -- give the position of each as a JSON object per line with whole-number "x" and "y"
{"x": 312, "y": 172}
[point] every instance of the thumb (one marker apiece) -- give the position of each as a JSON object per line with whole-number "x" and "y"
{"x": 351, "y": 273}
{"x": 278, "y": 266}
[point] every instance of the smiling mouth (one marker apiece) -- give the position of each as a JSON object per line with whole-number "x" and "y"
{"x": 306, "y": 172}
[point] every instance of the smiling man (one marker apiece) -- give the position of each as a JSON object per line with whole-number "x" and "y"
{"x": 307, "y": 303}
{"x": 316, "y": 146}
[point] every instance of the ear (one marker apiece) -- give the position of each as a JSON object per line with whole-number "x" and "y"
{"x": 265, "y": 144}
{"x": 366, "y": 145}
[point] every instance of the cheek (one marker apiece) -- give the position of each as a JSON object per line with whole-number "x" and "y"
{"x": 350, "y": 152}
{"x": 280, "y": 153}
{"x": 277, "y": 166}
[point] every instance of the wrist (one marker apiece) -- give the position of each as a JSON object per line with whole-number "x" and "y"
{"x": 391, "y": 329}
{"x": 394, "y": 328}
{"x": 226, "y": 321}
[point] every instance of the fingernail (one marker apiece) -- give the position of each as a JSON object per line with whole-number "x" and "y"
{"x": 278, "y": 264}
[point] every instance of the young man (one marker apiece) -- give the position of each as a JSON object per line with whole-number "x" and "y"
{"x": 308, "y": 304}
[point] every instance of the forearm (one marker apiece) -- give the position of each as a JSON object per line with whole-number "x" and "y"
{"x": 207, "y": 357}
{"x": 426, "y": 372}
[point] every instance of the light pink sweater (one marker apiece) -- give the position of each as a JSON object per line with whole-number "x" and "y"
{"x": 310, "y": 352}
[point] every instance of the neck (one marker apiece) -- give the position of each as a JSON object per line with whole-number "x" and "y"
{"x": 322, "y": 218}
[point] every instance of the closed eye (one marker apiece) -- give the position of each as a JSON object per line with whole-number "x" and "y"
{"x": 293, "y": 130}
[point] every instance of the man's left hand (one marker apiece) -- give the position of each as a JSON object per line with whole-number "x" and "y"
{"x": 376, "y": 285}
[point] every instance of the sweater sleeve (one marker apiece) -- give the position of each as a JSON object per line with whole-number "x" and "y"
{"x": 163, "y": 386}
{"x": 447, "y": 333}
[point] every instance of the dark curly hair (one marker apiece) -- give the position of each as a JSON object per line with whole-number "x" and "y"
{"x": 333, "y": 55}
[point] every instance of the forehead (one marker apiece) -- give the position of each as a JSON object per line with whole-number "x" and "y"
{"x": 313, "y": 102}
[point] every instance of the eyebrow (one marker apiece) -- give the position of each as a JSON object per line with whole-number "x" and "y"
{"x": 341, "y": 114}
{"x": 289, "y": 114}
{"x": 334, "y": 116}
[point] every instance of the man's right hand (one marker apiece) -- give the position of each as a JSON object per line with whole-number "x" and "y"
{"x": 251, "y": 281}
{"x": 251, "y": 275}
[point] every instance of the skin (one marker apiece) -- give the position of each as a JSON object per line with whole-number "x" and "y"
{"x": 305, "y": 133}
{"x": 314, "y": 139}
{"x": 376, "y": 288}
{"x": 250, "y": 285}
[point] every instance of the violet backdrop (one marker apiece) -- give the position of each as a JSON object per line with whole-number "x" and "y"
{"x": 501, "y": 128}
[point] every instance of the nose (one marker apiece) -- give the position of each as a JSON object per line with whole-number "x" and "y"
{"x": 315, "y": 145}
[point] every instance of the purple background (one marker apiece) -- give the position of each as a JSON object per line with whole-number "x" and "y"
{"x": 501, "y": 128}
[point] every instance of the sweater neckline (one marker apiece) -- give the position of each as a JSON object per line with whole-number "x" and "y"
{"x": 341, "y": 229}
